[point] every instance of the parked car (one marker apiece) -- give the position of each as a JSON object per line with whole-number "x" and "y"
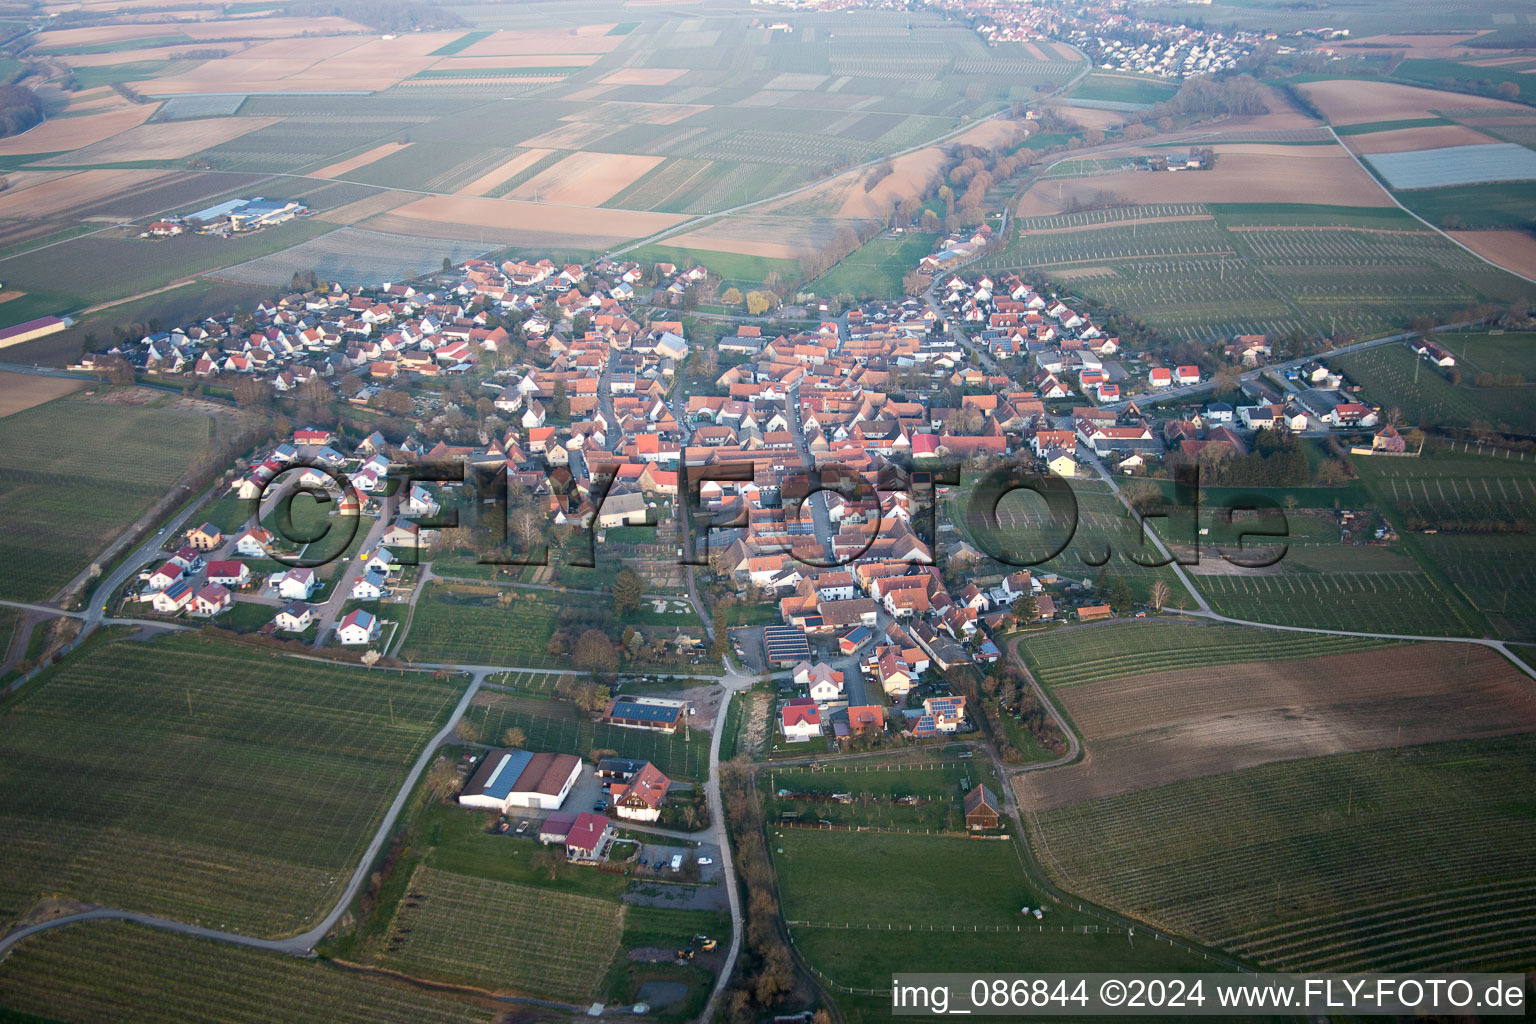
{"x": 706, "y": 861}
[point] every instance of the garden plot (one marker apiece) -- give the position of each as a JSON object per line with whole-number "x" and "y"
{"x": 1455, "y": 165}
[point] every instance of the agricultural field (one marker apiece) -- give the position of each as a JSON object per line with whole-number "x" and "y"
{"x": 502, "y": 936}
{"x": 1212, "y": 270}
{"x": 1412, "y": 859}
{"x": 452, "y": 626}
{"x": 1395, "y": 378}
{"x": 1120, "y": 88}
{"x": 1151, "y": 729}
{"x": 115, "y": 970}
{"x": 62, "y": 502}
{"x": 556, "y": 725}
{"x": 1412, "y": 603}
{"x": 936, "y": 791}
{"x": 242, "y": 796}
{"x": 353, "y": 256}
{"x": 1070, "y": 657}
{"x": 1481, "y": 511}
{"x": 835, "y": 889}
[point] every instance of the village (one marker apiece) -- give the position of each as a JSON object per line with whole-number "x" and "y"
{"x": 798, "y": 462}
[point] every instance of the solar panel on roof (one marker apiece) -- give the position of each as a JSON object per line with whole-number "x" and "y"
{"x": 645, "y": 712}
{"x": 506, "y": 774}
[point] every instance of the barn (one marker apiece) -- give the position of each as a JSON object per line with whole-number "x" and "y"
{"x": 505, "y": 779}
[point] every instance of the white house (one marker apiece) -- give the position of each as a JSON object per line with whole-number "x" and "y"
{"x": 825, "y": 684}
{"x": 211, "y": 600}
{"x": 253, "y": 543}
{"x": 800, "y": 719}
{"x": 369, "y": 586}
{"x": 174, "y": 598}
{"x": 297, "y": 584}
{"x": 229, "y": 574}
{"x": 294, "y": 618}
{"x": 357, "y": 628}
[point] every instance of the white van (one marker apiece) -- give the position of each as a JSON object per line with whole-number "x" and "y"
{"x": 677, "y": 862}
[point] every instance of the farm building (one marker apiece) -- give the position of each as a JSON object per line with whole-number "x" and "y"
{"x": 32, "y": 330}
{"x": 981, "y": 809}
{"x": 505, "y": 779}
{"x": 786, "y": 645}
{"x": 655, "y": 713}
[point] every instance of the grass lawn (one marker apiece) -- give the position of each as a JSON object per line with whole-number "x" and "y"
{"x": 849, "y": 878}
{"x": 1374, "y": 861}
{"x": 229, "y": 513}
{"x": 63, "y": 498}
{"x": 113, "y": 970}
{"x": 1124, "y": 89}
{"x": 876, "y": 268}
{"x": 243, "y": 788}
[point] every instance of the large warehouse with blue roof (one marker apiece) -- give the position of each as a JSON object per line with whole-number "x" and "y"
{"x": 505, "y": 779}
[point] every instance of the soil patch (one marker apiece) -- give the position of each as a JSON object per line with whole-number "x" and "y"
{"x": 20, "y": 391}
{"x": 1145, "y": 731}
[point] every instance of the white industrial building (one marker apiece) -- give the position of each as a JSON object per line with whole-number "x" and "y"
{"x": 505, "y": 779}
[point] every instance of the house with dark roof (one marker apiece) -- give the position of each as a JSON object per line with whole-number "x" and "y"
{"x": 981, "y": 809}
{"x": 654, "y": 713}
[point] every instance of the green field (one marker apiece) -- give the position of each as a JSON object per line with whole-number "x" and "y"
{"x": 239, "y": 790}
{"x": 840, "y": 891}
{"x": 1506, "y": 205}
{"x": 1484, "y": 511}
{"x": 875, "y": 788}
{"x": 556, "y": 725}
{"x": 1109, "y": 651}
{"x": 84, "y": 271}
{"x": 1414, "y": 860}
{"x": 876, "y": 269}
{"x": 140, "y": 43}
{"x": 1116, "y": 88}
{"x": 503, "y": 936}
{"x": 460, "y": 44}
{"x": 1395, "y": 378}
{"x": 1372, "y": 127}
{"x": 111, "y": 970}
{"x": 474, "y": 631}
{"x": 1385, "y": 602}
{"x": 63, "y": 498}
